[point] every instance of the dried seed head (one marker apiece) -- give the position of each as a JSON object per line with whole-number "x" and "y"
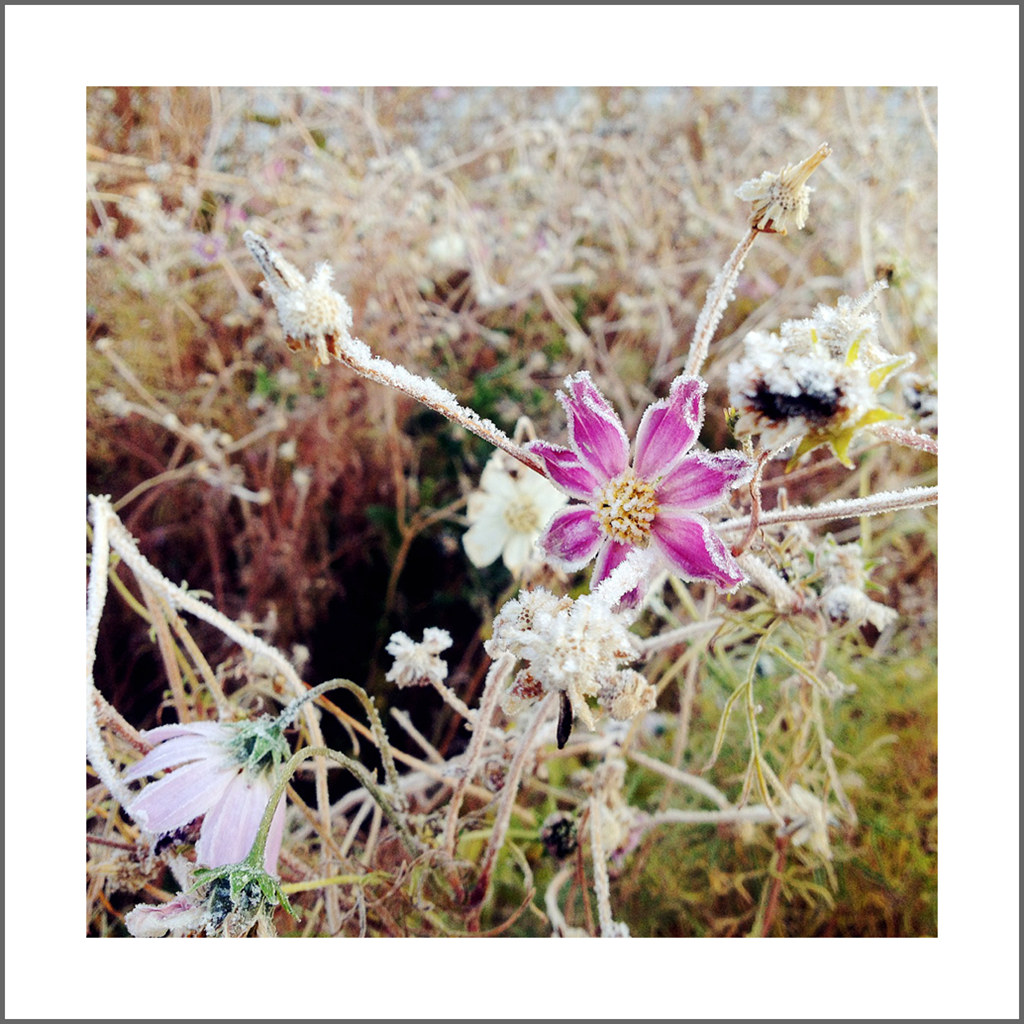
{"x": 782, "y": 200}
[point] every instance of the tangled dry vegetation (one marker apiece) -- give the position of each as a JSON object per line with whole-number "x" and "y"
{"x": 496, "y": 241}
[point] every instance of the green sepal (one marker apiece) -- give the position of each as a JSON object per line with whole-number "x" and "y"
{"x": 244, "y": 878}
{"x": 839, "y": 437}
{"x": 880, "y": 374}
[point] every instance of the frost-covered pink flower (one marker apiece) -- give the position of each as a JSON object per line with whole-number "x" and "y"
{"x": 224, "y": 774}
{"x": 655, "y": 500}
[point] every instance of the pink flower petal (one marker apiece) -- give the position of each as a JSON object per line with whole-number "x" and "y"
{"x": 178, "y": 798}
{"x": 230, "y": 826}
{"x": 611, "y": 555}
{"x": 212, "y": 730}
{"x": 565, "y": 470}
{"x": 572, "y": 537}
{"x": 179, "y": 915}
{"x": 595, "y": 430}
{"x": 702, "y": 480}
{"x": 174, "y": 751}
{"x": 669, "y": 427}
{"x": 694, "y": 551}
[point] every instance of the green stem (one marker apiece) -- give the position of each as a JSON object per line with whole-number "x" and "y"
{"x": 254, "y": 859}
{"x": 390, "y": 769}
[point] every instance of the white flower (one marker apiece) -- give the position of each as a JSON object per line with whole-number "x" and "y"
{"x": 782, "y": 200}
{"x": 508, "y": 513}
{"x": 418, "y": 663}
{"x": 573, "y": 647}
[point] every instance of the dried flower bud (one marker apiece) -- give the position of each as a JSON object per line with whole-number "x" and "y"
{"x": 312, "y": 313}
{"x": 781, "y": 201}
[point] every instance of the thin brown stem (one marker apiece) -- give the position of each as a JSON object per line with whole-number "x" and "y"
{"x": 755, "y": 506}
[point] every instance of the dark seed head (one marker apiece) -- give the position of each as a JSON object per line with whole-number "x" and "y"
{"x": 815, "y": 407}
{"x": 558, "y": 834}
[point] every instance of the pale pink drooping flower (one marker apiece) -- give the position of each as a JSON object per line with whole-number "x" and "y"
{"x": 213, "y": 777}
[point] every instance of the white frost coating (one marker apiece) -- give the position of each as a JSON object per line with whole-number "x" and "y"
{"x": 330, "y": 336}
{"x": 636, "y": 568}
{"x": 578, "y": 647}
{"x": 875, "y": 504}
{"x": 818, "y": 377}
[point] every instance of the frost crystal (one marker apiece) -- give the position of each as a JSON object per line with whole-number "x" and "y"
{"x": 576, "y": 647}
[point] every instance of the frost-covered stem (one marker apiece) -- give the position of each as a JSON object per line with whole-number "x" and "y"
{"x": 827, "y": 748}
{"x": 355, "y": 768}
{"x": 380, "y": 737}
{"x": 291, "y": 712}
{"x": 508, "y": 797}
{"x": 96, "y": 596}
{"x": 873, "y": 505}
{"x": 559, "y": 925}
{"x": 694, "y": 782}
{"x": 124, "y": 543}
{"x": 496, "y": 677}
{"x": 687, "y": 699}
{"x": 421, "y": 741}
{"x": 906, "y": 437}
{"x": 453, "y": 700}
{"x": 756, "y": 814}
{"x": 331, "y": 338}
{"x": 680, "y": 635}
{"x": 425, "y": 391}
{"x": 366, "y": 803}
{"x": 604, "y": 778}
{"x": 757, "y": 760}
{"x": 602, "y": 888}
{"x": 714, "y": 305}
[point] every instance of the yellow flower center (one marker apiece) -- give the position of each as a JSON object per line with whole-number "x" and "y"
{"x": 522, "y": 516}
{"x": 626, "y": 508}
